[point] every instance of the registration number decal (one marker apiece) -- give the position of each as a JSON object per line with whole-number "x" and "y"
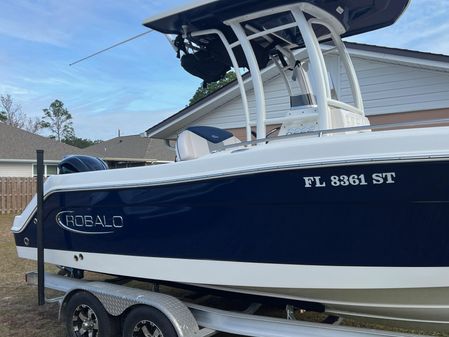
{"x": 350, "y": 180}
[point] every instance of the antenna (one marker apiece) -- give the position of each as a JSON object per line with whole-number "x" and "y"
{"x": 113, "y": 46}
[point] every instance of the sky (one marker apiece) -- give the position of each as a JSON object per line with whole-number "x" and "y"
{"x": 138, "y": 84}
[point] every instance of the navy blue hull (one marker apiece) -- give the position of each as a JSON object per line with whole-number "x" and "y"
{"x": 266, "y": 217}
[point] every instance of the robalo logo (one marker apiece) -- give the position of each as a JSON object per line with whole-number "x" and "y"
{"x": 89, "y": 223}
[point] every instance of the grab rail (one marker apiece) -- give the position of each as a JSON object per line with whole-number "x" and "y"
{"x": 320, "y": 133}
{"x": 341, "y": 105}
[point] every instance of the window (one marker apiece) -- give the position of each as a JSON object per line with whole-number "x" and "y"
{"x": 52, "y": 170}
{"x": 49, "y": 170}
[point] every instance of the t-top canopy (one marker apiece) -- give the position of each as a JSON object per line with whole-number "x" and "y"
{"x": 354, "y": 17}
{"x": 358, "y": 16}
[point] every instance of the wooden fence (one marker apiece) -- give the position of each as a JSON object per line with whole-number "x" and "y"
{"x": 15, "y": 193}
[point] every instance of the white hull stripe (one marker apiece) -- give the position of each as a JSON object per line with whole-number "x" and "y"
{"x": 245, "y": 274}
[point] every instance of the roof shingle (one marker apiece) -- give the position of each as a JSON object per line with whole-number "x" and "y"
{"x": 132, "y": 147}
{"x": 19, "y": 144}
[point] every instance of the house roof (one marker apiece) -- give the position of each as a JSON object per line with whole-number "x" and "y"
{"x": 18, "y": 144}
{"x": 398, "y": 52}
{"x": 410, "y": 57}
{"x": 129, "y": 148}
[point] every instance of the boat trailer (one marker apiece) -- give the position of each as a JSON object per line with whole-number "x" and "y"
{"x": 150, "y": 311}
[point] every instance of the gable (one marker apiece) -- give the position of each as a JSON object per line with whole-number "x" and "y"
{"x": 386, "y": 88}
{"x": 394, "y": 88}
{"x": 393, "y": 81}
{"x": 230, "y": 114}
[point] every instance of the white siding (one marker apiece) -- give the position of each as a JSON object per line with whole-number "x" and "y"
{"x": 393, "y": 88}
{"x": 230, "y": 114}
{"x": 15, "y": 170}
{"x": 386, "y": 88}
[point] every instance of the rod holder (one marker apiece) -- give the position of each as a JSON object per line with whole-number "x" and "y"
{"x": 40, "y": 228}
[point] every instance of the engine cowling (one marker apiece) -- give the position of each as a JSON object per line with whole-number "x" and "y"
{"x": 79, "y": 163}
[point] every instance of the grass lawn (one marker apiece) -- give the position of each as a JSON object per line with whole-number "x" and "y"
{"x": 20, "y": 315}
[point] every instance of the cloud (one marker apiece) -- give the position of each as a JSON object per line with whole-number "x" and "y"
{"x": 14, "y": 90}
{"x": 59, "y": 23}
{"x": 47, "y": 81}
{"x": 105, "y": 126}
{"x": 37, "y": 22}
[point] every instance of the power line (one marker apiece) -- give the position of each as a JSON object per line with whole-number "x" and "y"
{"x": 113, "y": 46}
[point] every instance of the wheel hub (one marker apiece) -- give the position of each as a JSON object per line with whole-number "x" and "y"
{"x": 84, "y": 321}
{"x": 147, "y": 328}
{"x": 88, "y": 325}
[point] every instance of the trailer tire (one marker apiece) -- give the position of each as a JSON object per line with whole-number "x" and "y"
{"x": 144, "y": 320}
{"x": 84, "y": 314}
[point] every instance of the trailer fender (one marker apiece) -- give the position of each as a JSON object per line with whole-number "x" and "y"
{"x": 117, "y": 299}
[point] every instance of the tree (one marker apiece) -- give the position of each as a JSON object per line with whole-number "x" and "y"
{"x": 12, "y": 114}
{"x": 32, "y": 124}
{"x": 59, "y": 121}
{"x": 202, "y": 92}
{"x": 81, "y": 142}
{"x": 2, "y": 116}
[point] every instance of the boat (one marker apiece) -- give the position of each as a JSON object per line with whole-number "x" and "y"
{"x": 324, "y": 209}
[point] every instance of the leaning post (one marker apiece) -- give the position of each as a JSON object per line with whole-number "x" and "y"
{"x": 40, "y": 228}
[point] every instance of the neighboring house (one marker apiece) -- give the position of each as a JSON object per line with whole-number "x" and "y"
{"x": 397, "y": 85}
{"x": 18, "y": 152}
{"x": 130, "y": 151}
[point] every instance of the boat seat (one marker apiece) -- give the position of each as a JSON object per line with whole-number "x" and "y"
{"x": 197, "y": 141}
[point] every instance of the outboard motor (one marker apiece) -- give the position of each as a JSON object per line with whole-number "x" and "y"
{"x": 78, "y": 163}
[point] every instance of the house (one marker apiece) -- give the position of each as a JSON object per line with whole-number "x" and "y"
{"x": 130, "y": 151}
{"x": 397, "y": 85}
{"x": 18, "y": 152}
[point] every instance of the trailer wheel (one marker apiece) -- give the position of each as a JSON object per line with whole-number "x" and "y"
{"x": 85, "y": 316}
{"x": 146, "y": 321}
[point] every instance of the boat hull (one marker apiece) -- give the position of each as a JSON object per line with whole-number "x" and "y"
{"x": 346, "y": 236}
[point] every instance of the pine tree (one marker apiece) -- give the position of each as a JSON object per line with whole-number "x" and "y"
{"x": 59, "y": 121}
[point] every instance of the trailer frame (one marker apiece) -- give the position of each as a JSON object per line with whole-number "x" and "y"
{"x": 190, "y": 319}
